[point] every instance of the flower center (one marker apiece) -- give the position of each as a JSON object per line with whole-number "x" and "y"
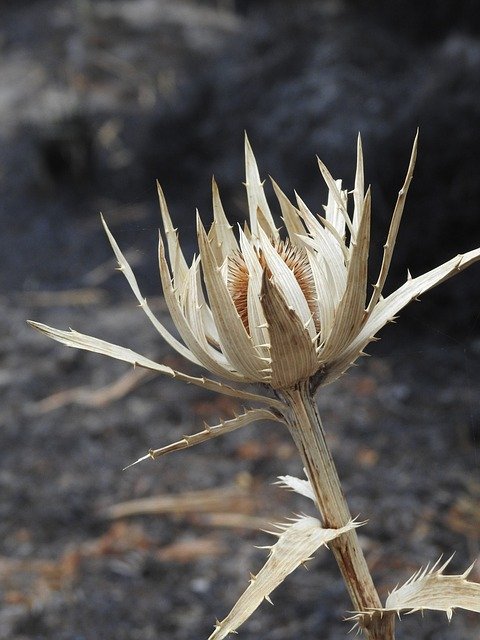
{"x": 296, "y": 260}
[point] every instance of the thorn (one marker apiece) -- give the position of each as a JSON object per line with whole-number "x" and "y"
{"x": 149, "y": 455}
{"x": 267, "y": 598}
{"x": 466, "y": 573}
{"x": 271, "y": 533}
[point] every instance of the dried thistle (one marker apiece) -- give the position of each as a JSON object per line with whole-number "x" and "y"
{"x": 289, "y": 314}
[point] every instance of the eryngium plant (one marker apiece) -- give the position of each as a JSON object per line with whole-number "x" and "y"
{"x": 289, "y": 313}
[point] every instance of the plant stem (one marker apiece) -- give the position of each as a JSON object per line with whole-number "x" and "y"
{"x": 307, "y": 431}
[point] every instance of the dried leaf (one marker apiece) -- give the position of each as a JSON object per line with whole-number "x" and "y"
{"x": 89, "y": 343}
{"x": 296, "y": 543}
{"x": 257, "y": 201}
{"x": 432, "y": 589}
{"x": 210, "y": 431}
{"x": 389, "y": 245}
{"x": 125, "y": 268}
{"x": 303, "y": 487}
{"x": 291, "y": 348}
{"x": 351, "y": 310}
{"x": 235, "y": 342}
{"x": 205, "y": 500}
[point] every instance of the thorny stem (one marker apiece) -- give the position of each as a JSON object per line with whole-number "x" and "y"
{"x": 307, "y": 431}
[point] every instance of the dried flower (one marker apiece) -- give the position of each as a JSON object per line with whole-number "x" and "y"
{"x": 288, "y": 312}
{"x": 279, "y": 310}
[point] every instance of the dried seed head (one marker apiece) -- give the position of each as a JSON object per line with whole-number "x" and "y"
{"x": 296, "y": 260}
{"x": 237, "y": 282}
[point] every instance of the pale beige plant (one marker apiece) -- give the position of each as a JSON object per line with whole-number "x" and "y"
{"x": 288, "y": 313}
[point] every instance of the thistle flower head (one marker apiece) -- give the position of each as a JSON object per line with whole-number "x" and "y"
{"x": 276, "y": 306}
{"x": 280, "y": 306}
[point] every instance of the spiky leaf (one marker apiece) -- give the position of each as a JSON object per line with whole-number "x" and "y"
{"x": 296, "y": 543}
{"x": 430, "y": 588}
{"x": 303, "y": 487}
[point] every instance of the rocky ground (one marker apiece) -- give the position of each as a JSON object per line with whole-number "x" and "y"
{"x": 98, "y": 99}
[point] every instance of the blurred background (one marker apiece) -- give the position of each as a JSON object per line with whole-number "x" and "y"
{"x": 97, "y": 100}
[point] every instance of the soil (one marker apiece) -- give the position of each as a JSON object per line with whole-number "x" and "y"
{"x": 404, "y": 427}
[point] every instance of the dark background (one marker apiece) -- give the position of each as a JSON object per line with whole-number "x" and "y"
{"x": 97, "y": 100}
